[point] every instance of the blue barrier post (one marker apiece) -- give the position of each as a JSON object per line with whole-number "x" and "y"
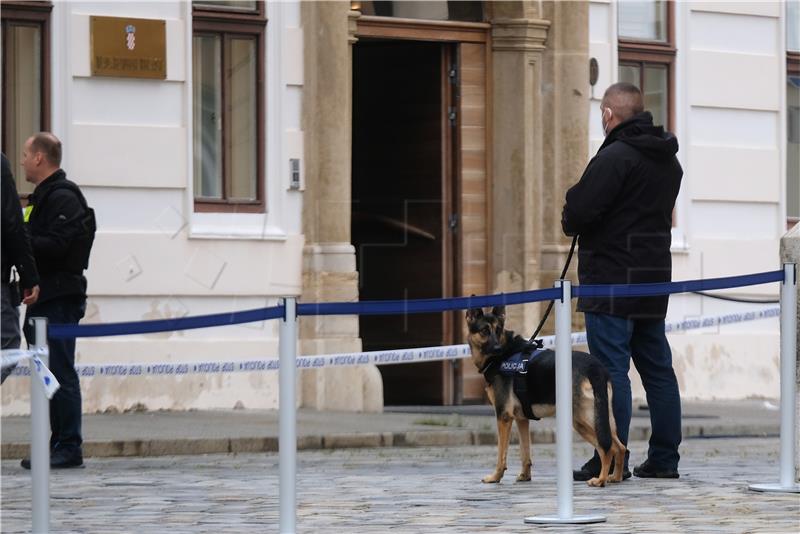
{"x": 787, "y": 483}
{"x": 287, "y": 437}
{"x": 564, "y": 416}
{"x": 40, "y": 435}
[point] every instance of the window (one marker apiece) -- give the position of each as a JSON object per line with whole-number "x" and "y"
{"x": 26, "y": 79}
{"x": 792, "y": 113}
{"x": 228, "y": 106}
{"x": 793, "y": 26}
{"x": 647, "y": 53}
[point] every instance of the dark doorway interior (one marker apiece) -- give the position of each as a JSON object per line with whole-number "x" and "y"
{"x": 398, "y": 184}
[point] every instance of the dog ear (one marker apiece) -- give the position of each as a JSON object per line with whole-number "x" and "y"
{"x": 473, "y": 314}
{"x": 499, "y": 312}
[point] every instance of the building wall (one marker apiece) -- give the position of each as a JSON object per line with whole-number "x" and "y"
{"x": 128, "y": 144}
{"x": 729, "y": 120}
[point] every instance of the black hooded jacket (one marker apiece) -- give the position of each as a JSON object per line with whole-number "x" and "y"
{"x": 16, "y": 245}
{"x": 56, "y": 231}
{"x": 622, "y": 211}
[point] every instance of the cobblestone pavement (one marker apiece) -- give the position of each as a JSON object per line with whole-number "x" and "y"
{"x": 405, "y": 490}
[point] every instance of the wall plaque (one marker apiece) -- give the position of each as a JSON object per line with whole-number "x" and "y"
{"x": 128, "y": 47}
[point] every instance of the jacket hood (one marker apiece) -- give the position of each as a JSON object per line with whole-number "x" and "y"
{"x": 640, "y": 133}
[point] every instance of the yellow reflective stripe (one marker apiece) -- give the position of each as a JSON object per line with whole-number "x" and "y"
{"x": 26, "y": 213}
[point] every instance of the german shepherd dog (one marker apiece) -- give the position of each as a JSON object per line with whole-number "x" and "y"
{"x": 592, "y": 417}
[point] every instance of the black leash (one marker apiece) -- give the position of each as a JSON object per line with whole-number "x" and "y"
{"x": 550, "y": 306}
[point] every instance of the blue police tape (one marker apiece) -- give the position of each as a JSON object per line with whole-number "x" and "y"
{"x": 394, "y": 307}
{"x": 385, "y": 357}
{"x": 60, "y": 331}
{"x": 399, "y": 307}
{"x": 668, "y": 288}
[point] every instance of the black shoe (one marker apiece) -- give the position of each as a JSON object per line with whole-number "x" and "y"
{"x": 60, "y": 460}
{"x": 648, "y": 470}
{"x": 591, "y": 469}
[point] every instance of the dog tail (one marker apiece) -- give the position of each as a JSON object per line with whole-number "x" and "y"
{"x": 602, "y": 424}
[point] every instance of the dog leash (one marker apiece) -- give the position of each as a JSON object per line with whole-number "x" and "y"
{"x": 533, "y": 339}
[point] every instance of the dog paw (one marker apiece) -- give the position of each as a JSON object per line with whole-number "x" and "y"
{"x": 615, "y": 480}
{"x": 524, "y": 477}
{"x": 491, "y": 479}
{"x": 596, "y": 482}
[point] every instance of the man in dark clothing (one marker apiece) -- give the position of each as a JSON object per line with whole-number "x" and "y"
{"x": 59, "y": 246}
{"x": 16, "y": 252}
{"x": 622, "y": 210}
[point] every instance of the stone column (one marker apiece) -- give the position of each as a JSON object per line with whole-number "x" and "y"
{"x": 517, "y": 135}
{"x": 329, "y": 262}
{"x": 790, "y": 253}
{"x": 565, "y": 109}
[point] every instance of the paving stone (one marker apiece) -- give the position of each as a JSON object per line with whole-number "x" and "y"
{"x": 378, "y": 490}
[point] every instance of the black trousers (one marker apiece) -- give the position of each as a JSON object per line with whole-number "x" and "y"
{"x": 65, "y": 406}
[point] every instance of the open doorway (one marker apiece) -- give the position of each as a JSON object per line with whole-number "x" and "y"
{"x": 402, "y": 190}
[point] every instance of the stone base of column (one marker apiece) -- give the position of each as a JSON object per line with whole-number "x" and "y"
{"x": 329, "y": 275}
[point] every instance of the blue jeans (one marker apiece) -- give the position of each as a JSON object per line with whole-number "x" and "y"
{"x": 65, "y": 406}
{"x": 615, "y": 340}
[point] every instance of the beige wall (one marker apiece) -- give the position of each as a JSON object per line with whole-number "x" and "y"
{"x": 127, "y": 143}
{"x": 329, "y": 263}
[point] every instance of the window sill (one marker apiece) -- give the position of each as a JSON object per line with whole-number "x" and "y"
{"x": 237, "y": 226}
{"x": 269, "y": 233}
{"x": 211, "y": 206}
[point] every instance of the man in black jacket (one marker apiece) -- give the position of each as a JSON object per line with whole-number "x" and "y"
{"x": 16, "y": 252}
{"x": 59, "y": 246}
{"x": 622, "y": 210}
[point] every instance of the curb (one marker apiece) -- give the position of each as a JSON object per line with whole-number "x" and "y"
{"x": 444, "y": 438}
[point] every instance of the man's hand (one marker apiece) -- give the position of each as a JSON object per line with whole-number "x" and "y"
{"x": 30, "y": 295}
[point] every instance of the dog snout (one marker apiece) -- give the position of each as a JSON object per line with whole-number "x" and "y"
{"x": 494, "y": 344}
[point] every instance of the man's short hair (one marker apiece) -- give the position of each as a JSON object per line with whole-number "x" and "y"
{"x": 624, "y": 99}
{"x": 49, "y": 145}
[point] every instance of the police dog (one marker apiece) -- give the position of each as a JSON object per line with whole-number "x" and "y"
{"x": 592, "y": 417}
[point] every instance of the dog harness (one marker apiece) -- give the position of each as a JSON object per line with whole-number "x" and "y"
{"x": 515, "y": 366}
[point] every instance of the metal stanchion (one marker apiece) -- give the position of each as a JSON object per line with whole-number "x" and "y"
{"x": 287, "y": 439}
{"x": 788, "y": 384}
{"x": 564, "y": 416}
{"x": 40, "y": 435}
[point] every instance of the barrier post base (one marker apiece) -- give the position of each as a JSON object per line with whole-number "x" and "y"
{"x": 775, "y": 488}
{"x": 574, "y": 520}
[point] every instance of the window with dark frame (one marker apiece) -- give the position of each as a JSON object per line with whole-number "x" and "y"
{"x": 228, "y": 44}
{"x": 26, "y": 79}
{"x": 647, "y": 54}
{"x": 792, "y": 114}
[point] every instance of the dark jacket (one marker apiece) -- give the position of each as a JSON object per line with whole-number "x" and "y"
{"x": 55, "y": 228}
{"x": 622, "y": 210}
{"x": 16, "y": 245}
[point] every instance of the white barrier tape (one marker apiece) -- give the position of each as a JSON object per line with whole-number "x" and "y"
{"x": 383, "y": 357}
{"x": 13, "y": 357}
{"x": 386, "y": 357}
{"x": 721, "y": 320}
{"x": 49, "y": 381}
